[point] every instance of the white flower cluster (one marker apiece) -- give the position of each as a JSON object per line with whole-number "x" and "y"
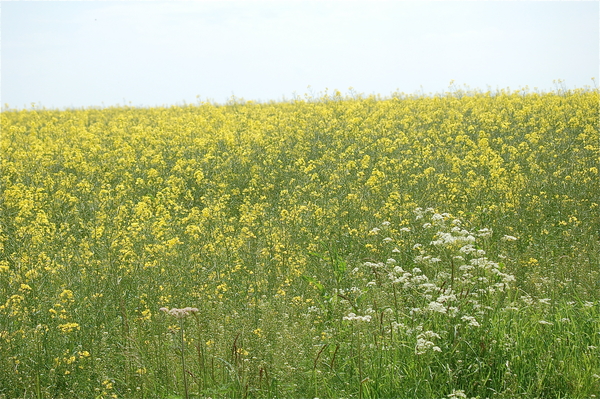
{"x": 426, "y": 259}
{"x": 179, "y": 313}
{"x": 457, "y": 394}
{"x": 456, "y": 236}
{"x": 471, "y": 321}
{"x": 443, "y": 304}
{"x": 437, "y": 307}
{"x": 424, "y": 343}
{"x": 400, "y": 276}
{"x": 420, "y": 212}
{"x": 484, "y": 232}
{"x": 354, "y": 317}
{"x": 447, "y": 279}
{"x": 439, "y": 218}
{"x": 373, "y": 265}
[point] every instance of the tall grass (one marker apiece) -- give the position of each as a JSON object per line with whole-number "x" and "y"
{"x": 335, "y": 247}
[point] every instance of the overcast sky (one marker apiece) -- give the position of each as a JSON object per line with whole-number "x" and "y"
{"x": 62, "y": 54}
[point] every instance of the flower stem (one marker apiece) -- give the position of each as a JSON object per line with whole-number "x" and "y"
{"x": 185, "y": 387}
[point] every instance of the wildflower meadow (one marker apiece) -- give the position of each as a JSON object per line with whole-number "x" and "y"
{"x": 337, "y": 246}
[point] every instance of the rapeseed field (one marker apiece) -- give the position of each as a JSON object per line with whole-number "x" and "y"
{"x": 342, "y": 246}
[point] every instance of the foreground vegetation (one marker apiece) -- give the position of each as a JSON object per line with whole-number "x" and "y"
{"x": 431, "y": 247}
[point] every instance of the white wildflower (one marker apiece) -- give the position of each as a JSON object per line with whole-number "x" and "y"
{"x": 436, "y": 217}
{"x": 419, "y": 213}
{"x": 484, "y": 232}
{"x": 420, "y": 279}
{"x": 445, "y": 298}
{"x": 436, "y": 307}
{"x": 425, "y": 344}
{"x": 468, "y": 249}
{"x": 471, "y": 320}
{"x": 354, "y": 317}
{"x": 457, "y": 394}
{"x": 429, "y": 287}
{"x": 398, "y": 326}
{"x": 444, "y": 276}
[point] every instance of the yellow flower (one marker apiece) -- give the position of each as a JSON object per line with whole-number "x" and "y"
{"x": 68, "y": 327}
{"x": 4, "y": 266}
{"x": 146, "y": 314}
{"x": 66, "y": 295}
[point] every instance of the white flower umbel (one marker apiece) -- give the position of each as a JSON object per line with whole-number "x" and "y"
{"x": 445, "y": 239}
{"x": 457, "y": 394}
{"x": 180, "y": 314}
{"x": 485, "y": 232}
{"x": 424, "y": 343}
{"x": 471, "y": 321}
{"x": 354, "y": 317}
{"x": 437, "y": 307}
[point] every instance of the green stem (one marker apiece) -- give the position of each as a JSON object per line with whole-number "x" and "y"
{"x": 185, "y": 386}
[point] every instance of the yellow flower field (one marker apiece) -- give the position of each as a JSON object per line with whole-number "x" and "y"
{"x": 412, "y": 246}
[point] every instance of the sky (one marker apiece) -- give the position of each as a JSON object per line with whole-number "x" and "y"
{"x": 79, "y": 54}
